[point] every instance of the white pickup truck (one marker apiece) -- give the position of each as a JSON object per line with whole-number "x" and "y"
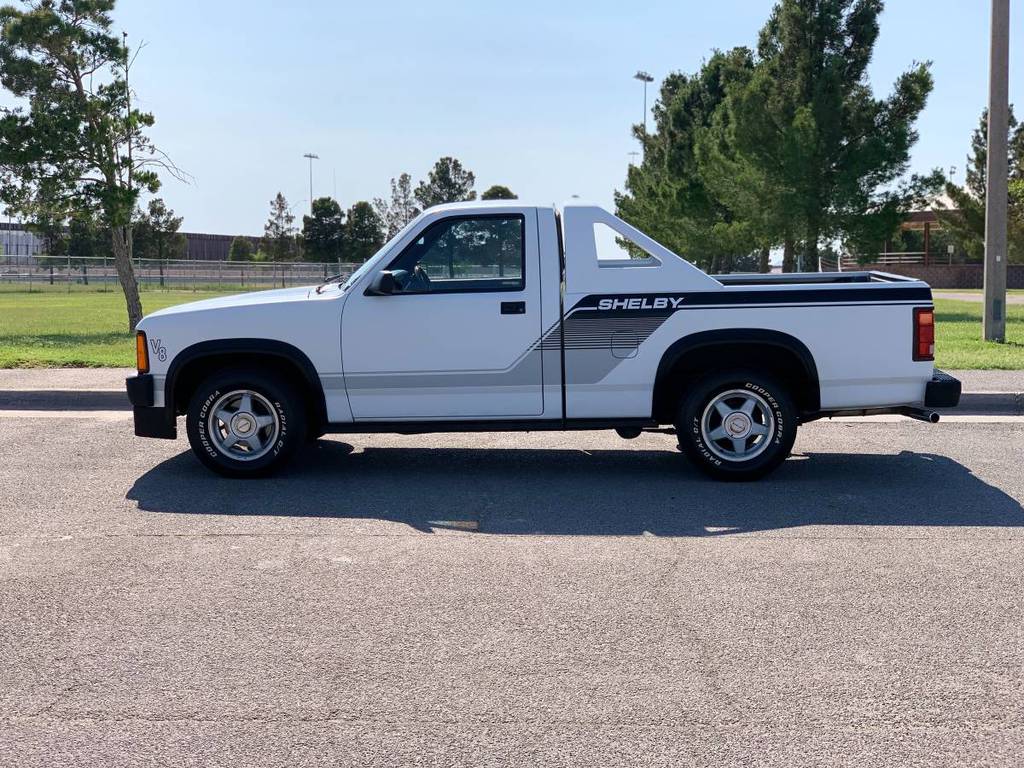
{"x": 501, "y": 316}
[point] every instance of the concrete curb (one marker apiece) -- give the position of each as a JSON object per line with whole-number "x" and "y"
{"x": 63, "y": 400}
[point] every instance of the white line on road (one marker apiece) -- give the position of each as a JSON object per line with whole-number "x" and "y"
{"x": 100, "y": 415}
{"x": 989, "y": 418}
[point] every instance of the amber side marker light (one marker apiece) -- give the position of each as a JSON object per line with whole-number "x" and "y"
{"x": 141, "y": 352}
{"x": 924, "y": 333}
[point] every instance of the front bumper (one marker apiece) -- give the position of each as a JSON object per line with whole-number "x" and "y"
{"x": 149, "y": 421}
{"x": 943, "y": 391}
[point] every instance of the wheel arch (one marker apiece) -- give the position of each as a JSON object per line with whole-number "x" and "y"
{"x": 777, "y": 353}
{"x": 194, "y": 363}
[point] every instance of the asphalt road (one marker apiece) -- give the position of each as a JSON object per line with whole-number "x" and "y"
{"x": 864, "y": 606}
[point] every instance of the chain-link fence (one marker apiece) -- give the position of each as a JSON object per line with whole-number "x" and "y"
{"x": 59, "y": 273}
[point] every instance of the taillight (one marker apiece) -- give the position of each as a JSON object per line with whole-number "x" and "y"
{"x": 924, "y": 333}
{"x": 141, "y": 352}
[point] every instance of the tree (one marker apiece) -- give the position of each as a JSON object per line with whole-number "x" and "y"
{"x": 363, "y": 232}
{"x": 76, "y": 143}
{"x": 279, "y": 232}
{"x": 499, "y": 192}
{"x": 785, "y": 145}
{"x": 448, "y": 182}
{"x": 808, "y": 121}
{"x": 668, "y": 195}
{"x": 1015, "y": 225}
{"x": 400, "y": 210}
{"x": 156, "y": 236}
{"x": 74, "y": 241}
{"x": 323, "y": 233}
{"x": 242, "y": 249}
{"x": 51, "y": 230}
{"x": 965, "y": 218}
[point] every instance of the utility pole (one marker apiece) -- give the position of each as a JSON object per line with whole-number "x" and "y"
{"x": 996, "y": 203}
{"x": 311, "y": 157}
{"x": 645, "y": 78}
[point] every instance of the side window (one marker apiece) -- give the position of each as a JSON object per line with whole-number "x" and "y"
{"x": 471, "y": 254}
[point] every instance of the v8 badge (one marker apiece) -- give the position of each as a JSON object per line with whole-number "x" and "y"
{"x": 159, "y": 350}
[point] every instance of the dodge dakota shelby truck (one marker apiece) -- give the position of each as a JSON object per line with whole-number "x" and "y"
{"x": 501, "y": 316}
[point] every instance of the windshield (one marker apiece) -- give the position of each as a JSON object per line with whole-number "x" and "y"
{"x": 355, "y": 276}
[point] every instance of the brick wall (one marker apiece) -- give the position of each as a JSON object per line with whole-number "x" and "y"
{"x": 952, "y": 276}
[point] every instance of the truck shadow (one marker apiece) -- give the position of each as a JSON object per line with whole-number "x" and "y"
{"x": 586, "y": 493}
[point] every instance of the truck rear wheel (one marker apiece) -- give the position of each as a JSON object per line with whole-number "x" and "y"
{"x": 737, "y": 425}
{"x": 245, "y": 423}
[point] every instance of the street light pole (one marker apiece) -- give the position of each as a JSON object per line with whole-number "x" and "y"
{"x": 997, "y": 192}
{"x": 645, "y": 78}
{"x": 311, "y": 157}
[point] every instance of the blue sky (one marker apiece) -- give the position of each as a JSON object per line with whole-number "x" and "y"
{"x": 535, "y": 95}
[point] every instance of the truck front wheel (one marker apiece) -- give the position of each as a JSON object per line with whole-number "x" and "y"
{"x": 245, "y": 423}
{"x": 737, "y": 425}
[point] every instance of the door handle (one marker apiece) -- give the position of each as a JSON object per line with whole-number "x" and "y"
{"x": 513, "y": 307}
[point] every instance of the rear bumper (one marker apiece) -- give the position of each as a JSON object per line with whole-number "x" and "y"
{"x": 149, "y": 421}
{"x": 943, "y": 391}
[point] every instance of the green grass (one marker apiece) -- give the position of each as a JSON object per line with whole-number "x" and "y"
{"x": 53, "y": 329}
{"x": 958, "y": 343}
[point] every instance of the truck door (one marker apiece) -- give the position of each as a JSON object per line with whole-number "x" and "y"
{"x": 457, "y": 336}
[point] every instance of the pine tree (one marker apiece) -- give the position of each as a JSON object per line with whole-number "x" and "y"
{"x": 965, "y": 219}
{"x": 499, "y": 192}
{"x": 323, "y": 233}
{"x": 363, "y": 232}
{"x": 809, "y": 121}
{"x": 668, "y": 194}
{"x": 241, "y": 249}
{"x": 400, "y": 210}
{"x": 155, "y": 235}
{"x": 279, "y": 231}
{"x": 448, "y": 182}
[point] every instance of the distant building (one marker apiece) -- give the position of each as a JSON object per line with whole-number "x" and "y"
{"x": 16, "y": 240}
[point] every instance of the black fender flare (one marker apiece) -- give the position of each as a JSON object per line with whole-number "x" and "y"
{"x": 217, "y": 347}
{"x": 731, "y": 336}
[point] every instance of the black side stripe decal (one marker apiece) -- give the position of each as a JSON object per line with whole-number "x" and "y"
{"x": 634, "y": 318}
{"x": 641, "y": 302}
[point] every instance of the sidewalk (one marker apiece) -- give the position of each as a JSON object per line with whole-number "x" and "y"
{"x": 85, "y": 389}
{"x": 64, "y": 379}
{"x": 1011, "y": 298}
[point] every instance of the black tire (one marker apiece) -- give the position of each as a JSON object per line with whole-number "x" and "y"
{"x": 700, "y": 417}
{"x": 271, "y": 397}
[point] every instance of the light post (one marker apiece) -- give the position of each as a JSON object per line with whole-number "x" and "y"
{"x": 311, "y": 157}
{"x": 645, "y": 78}
{"x": 997, "y": 192}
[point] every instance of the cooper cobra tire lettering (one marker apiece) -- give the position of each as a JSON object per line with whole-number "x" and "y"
{"x": 702, "y": 393}
{"x": 278, "y": 394}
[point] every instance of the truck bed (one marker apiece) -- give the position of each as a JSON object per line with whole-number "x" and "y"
{"x": 812, "y": 278}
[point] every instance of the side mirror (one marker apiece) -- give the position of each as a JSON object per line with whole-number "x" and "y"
{"x": 384, "y": 284}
